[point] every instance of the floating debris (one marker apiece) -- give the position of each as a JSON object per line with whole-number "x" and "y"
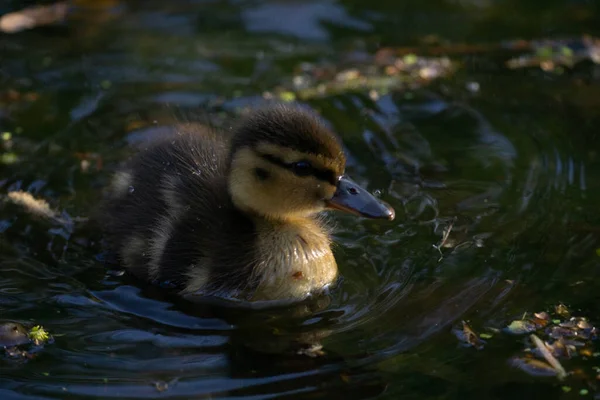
{"x": 528, "y": 325}
{"x": 32, "y": 17}
{"x": 560, "y": 371}
{"x": 20, "y": 344}
{"x": 9, "y": 158}
{"x": 39, "y": 335}
{"x": 372, "y": 74}
{"x": 533, "y": 366}
{"x": 562, "y": 310}
{"x": 86, "y": 161}
{"x": 520, "y": 327}
{"x": 34, "y": 206}
{"x": 468, "y": 337}
{"x": 558, "y": 336}
{"x": 560, "y": 348}
{"x": 315, "y": 350}
{"x": 445, "y": 236}
{"x": 552, "y": 55}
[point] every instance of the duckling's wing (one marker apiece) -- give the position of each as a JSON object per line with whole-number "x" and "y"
{"x": 168, "y": 211}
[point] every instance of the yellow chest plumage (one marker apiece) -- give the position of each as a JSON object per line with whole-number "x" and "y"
{"x": 294, "y": 259}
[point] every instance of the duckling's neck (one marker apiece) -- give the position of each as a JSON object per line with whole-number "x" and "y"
{"x": 294, "y": 258}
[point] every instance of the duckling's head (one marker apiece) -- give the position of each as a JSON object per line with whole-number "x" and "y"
{"x": 286, "y": 164}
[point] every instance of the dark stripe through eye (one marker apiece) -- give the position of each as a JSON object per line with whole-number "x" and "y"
{"x": 304, "y": 168}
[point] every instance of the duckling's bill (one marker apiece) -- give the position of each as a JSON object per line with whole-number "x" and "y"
{"x": 352, "y": 198}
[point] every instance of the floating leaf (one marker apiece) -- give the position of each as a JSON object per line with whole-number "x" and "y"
{"x": 520, "y": 327}
{"x": 544, "y": 52}
{"x": 38, "y": 335}
{"x": 287, "y": 96}
{"x": 486, "y": 336}
{"x": 9, "y": 158}
{"x": 542, "y": 315}
{"x": 410, "y": 59}
{"x": 560, "y": 371}
{"x": 468, "y": 337}
{"x": 563, "y": 311}
{"x": 345, "y": 377}
{"x": 566, "y": 51}
{"x": 533, "y": 367}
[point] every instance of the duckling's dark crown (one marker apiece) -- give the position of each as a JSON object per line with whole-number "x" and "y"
{"x": 287, "y": 127}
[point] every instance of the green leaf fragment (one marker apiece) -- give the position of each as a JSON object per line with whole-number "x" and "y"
{"x": 566, "y": 51}
{"x": 544, "y": 51}
{"x": 583, "y": 392}
{"x": 9, "y": 158}
{"x": 287, "y": 96}
{"x": 6, "y": 136}
{"x": 410, "y": 59}
{"x": 486, "y": 336}
{"x": 520, "y": 327}
{"x": 566, "y": 389}
{"x": 38, "y": 334}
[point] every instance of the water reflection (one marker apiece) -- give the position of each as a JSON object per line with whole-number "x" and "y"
{"x": 303, "y": 19}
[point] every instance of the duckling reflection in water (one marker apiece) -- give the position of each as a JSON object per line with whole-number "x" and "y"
{"x": 236, "y": 216}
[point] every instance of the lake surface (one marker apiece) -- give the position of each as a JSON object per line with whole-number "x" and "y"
{"x": 506, "y": 160}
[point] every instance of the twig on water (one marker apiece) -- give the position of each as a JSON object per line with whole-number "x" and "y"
{"x": 445, "y": 237}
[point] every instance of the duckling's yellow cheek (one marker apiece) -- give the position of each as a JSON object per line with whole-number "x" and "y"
{"x": 325, "y": 191}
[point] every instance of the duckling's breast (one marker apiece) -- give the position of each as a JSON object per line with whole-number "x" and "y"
{"x": 293, "y": 260}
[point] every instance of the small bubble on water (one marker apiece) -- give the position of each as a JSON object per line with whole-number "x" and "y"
{"x": 377, "y": 193}
{"x": 131, "y": 189}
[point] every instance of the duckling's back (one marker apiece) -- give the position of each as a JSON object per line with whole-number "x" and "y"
{"x": 169, "y": 217}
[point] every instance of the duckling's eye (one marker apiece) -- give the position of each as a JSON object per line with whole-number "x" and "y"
{"x": 302, "y": 168}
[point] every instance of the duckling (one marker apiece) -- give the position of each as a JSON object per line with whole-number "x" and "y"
{"x": 236, "y": 215}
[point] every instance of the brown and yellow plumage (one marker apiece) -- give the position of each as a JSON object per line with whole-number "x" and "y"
{"x": 236, "y": 215}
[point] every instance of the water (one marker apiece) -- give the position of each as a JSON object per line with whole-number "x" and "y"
{"x": 509, "y": 159}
